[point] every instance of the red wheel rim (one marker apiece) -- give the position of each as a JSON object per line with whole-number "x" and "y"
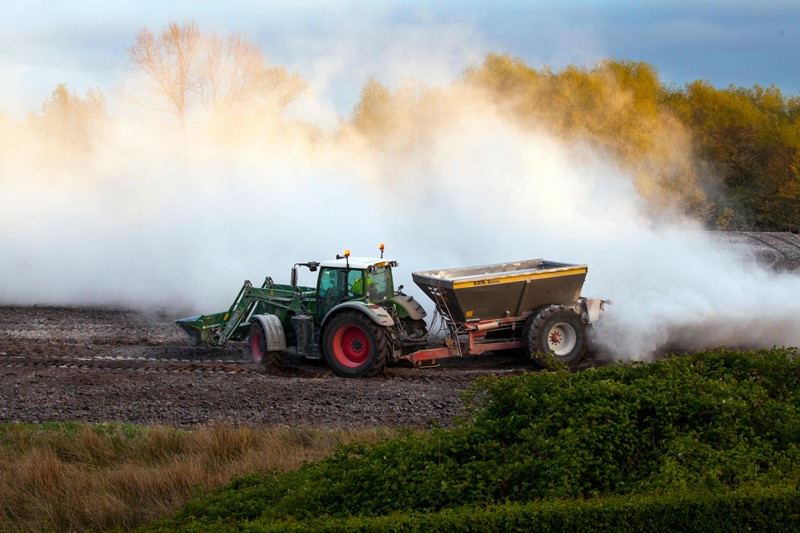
{"x": 350, "y": 346}
{"x": 256, "y": 340}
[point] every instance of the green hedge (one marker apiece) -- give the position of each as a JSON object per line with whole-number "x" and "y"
{"x": 708, "y": 423}
{"x": 773, "y": 509}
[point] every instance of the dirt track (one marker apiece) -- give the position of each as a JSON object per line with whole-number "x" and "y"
{"x": 100, "y": 365}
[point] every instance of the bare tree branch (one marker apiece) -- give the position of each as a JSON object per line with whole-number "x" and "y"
{"x": 187, "y": 68}
{"x": 169, "y": 61}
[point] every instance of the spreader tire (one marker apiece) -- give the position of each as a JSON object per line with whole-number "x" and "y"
{"x": 355, "y": 346}
{"x": 559, "y": 332}
{"x": 258, "y": 348}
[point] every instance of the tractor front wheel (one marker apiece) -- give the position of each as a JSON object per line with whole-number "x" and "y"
{"x": 258, "y": 348}
{"x": 355, "y": 346}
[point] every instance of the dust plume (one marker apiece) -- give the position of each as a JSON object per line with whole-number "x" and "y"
{"x": 151, "y": 215}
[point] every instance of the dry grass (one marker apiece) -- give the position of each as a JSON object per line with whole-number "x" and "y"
{"x": 65, "y": 477}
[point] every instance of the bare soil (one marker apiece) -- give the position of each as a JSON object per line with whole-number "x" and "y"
{"x": 104, "y": 364}
{"x": 101, "y": 365}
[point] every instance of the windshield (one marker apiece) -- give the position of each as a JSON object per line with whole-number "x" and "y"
{"x": 379, "y": 284}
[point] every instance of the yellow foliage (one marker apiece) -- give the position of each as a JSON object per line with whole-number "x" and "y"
{"x": 74, "y": 122}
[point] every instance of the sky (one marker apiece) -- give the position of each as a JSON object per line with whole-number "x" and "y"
{"x": 337, "y": 45}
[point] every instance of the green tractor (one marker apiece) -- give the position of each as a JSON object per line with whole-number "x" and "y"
{"x": 353, "y": 318}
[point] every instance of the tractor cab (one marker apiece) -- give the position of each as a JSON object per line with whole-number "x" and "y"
{"x": 346, "y": 278}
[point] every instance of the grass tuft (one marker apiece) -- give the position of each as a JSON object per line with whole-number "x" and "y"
{"x": 64, "y": 477}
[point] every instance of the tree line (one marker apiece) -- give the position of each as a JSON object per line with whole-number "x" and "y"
{"x": 729, "y": 157}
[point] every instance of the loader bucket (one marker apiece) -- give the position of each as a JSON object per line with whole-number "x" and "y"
{"x": 191, "y": 327}
{"x": 200, "y": 328}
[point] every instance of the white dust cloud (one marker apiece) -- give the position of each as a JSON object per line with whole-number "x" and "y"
{"x": 155, "y": 217}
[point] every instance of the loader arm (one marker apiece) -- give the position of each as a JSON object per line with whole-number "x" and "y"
{"x": 274, "y": 299}
{"x": 283, "y": 301}
{"x": 241, "y": 308}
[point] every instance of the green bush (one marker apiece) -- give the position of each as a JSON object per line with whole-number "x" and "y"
{"x": 771, "y": 509}
{"x": 711, "y": 423}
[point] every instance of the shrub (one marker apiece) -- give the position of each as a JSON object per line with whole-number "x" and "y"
{"x": 710, "y": 422}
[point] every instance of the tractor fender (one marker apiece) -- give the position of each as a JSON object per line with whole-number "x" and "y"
{"x": 376, "y": 313}
{"x": 408, "y": 307}
{"x": 273, "y": 329}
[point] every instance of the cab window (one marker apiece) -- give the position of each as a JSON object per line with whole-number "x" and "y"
{"x": 355, "y": 284}
{"x": 379, "y": 284}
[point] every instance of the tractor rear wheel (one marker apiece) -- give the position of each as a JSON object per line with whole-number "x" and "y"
{"x": 258, "y": 348}
{"x": 559, "y": 332}
{"x": 355, "y": 346}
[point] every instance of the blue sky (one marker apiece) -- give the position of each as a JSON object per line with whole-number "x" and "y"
{"x": 336, "y": 45}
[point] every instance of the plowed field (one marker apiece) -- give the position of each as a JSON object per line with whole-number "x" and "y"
{"x": 102, "y": 365}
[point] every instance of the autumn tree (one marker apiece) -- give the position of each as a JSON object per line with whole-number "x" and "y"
{"x": 373, "y": 112}
{"x": 73, "y": 120}
{"x": 187, "y": 69}
{"x": 501, "y": 74}
{"x": 400, "y": 119}
{"x": 169, "y": 61}
{"x": 728, "y": 157}
{"x": 750, "y": 138}
{"x": 616, "y": 106}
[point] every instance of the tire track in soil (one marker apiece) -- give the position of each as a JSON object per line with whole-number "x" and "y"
{"x": 778, "y": 257}
{"x": 783, "y": 249}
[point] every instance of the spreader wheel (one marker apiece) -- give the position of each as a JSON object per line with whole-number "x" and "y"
{"x": 559, "y": 331}
{"x": 258, "y": 348}
{"x": 355, "y": 346}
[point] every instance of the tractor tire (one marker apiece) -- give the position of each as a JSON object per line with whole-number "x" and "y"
{"x": 558, "y": 332}
{"x": 355, "y": 346}
{"x": 258, "y": 348}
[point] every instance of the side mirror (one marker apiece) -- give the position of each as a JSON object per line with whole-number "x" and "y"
{"x": 294, "y": 276}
